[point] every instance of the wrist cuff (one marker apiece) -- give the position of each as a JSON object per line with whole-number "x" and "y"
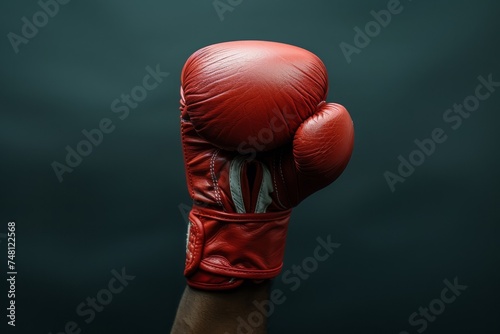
{"x": 223, "y": 248}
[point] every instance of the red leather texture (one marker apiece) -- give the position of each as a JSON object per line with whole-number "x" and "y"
{"x": 232, "y": 90}
{"x": 242, "y": 204}
{"x": 224, "y": 248}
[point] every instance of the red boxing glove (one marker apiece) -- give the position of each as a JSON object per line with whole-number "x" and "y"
{"x": 269, "y": 98}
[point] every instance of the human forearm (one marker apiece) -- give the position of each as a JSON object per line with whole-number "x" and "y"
{"x": 218, "y": 312}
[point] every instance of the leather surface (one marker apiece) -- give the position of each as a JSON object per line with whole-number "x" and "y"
{"x": 233, "y": 90}
{"x": 242, "y": 204}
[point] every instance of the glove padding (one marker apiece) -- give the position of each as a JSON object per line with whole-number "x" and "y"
{"x": 242, "y": 205}
{"x": 235, "y": 90}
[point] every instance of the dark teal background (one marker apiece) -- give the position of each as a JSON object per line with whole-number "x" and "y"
{"x": 120, "y": 206}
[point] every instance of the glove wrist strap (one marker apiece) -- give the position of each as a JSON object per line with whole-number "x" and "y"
{"x": 223, "y": 249}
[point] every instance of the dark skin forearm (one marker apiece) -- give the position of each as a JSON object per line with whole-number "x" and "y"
{"x": 217, "y": 312}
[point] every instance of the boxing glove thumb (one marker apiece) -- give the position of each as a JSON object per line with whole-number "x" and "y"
{"x": 321, "y": 149}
